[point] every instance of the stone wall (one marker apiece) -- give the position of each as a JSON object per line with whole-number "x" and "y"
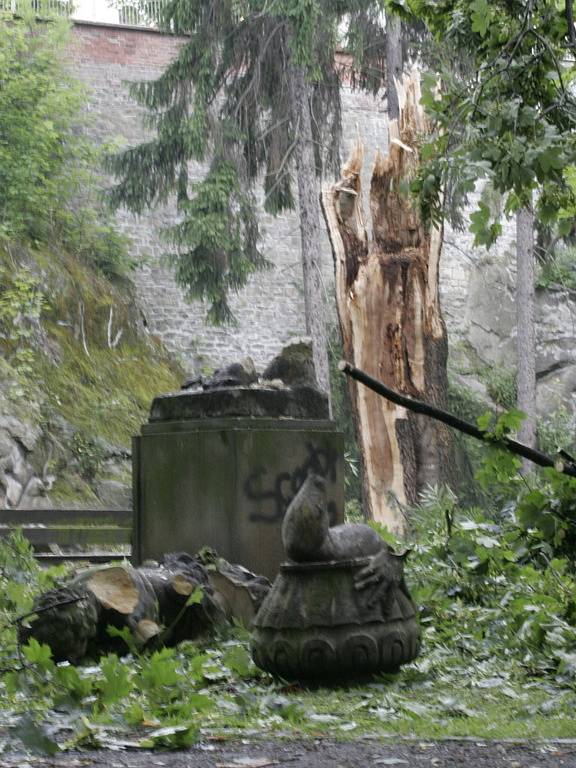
{"x": 477, "y": 292}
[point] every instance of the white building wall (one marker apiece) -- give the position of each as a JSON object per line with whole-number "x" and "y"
{"x": 95, "y": 10}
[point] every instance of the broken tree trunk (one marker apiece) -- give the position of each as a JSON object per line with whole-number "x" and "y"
{"x": 389, "y": 311}
{"x": 182, "y": 599}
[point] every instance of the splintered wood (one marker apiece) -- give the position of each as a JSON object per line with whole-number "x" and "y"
{"x": 389, "y": 311}
{"x": 114, "y": 588}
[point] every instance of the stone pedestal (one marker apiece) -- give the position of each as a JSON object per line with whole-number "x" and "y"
{"x": 219, "y": 469}
{"x": 314, "y": 625}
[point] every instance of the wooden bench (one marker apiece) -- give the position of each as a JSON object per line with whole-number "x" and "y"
{"x": 99, "y": 528}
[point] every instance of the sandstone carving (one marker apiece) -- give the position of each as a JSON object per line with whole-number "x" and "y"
{"x": 340, "y": 608}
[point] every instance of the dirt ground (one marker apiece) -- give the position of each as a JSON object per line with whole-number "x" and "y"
{"x": 364, "y": 753}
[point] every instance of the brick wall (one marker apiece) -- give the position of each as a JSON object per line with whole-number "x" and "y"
{"x": 270, "y": 310}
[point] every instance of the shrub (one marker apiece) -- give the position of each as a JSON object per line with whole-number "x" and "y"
{"x": 38, "y": 102}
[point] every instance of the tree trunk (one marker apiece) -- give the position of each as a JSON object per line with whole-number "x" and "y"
{"x": 394, "y": 64}
{"x": 181, "y": 599}
{"x": 389, "y": 310}
{"x": 526, "y": 328}
{"x": 309, "y": 209}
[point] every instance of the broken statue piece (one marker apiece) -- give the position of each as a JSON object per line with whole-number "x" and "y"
{"x": 340, "y": 608}
{"x": 183, "y": 598}
{"x": 241, "y": 374}
{"x": 293, "y": 367}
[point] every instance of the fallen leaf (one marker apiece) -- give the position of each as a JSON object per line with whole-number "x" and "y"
{"x": 248, "y": 762}
{"x": 35, "y": 737}
{"x": 323, "y": 718}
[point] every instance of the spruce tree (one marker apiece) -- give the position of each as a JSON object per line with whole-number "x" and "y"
{"x": 255, "y": 91}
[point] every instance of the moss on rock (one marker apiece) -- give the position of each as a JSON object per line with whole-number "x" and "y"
{"x": 84, "y": 370}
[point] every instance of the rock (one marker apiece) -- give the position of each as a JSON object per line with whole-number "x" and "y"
{"x": 196, "y": 382}
{"x": 291, "y": 403}
{"x": 34, "y": 495}
{"x": 489, "y": 330}
{"x": 113, "y": 494}
{"x": 28, "y": 434}
{"x": 294, "y": 365}
{"x": 13, "y": 490}
{"x": 240, "y": 374}
{"x": 19, "y": 485}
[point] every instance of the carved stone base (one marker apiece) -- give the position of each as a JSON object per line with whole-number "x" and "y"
{"x": 314, "y": 625}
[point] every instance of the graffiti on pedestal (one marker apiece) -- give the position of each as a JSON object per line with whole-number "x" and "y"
{"x": 277, "y": 492}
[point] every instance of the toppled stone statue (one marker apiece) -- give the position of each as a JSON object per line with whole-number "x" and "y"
{"x": 293, "y": 367}
{"x": 340, "y": 608}
{"x": 183, "y": 598}
{"x": 287, "y": 389}
{"x": 241, "y": 374}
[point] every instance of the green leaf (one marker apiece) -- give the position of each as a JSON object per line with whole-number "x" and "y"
{"x": 480, "y": 14}
{"x": 160, "y": 670}
{"x": 39, "y": 654}
{"x": 35, "y": 737}
{"x": 69, "y": 678}
{"x": 196, "y": 596}
{"x": 117, "y": 682}
{"x": 126, "y": 635}
{"x": 237, "y": 659}
{"x": 484, "y": 421}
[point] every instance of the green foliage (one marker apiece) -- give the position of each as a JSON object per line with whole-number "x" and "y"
{"x": 88, "y": 400}
{"x": 219, "y": 219}
{"x": 21, "y": 305}
{"x": 556, "y": 432}
{"x": 51, "y": 196}
{"x": 93, "y": 238}
{"x": 228, "y": 97}
{"x": 559, "y": 271}
{"x": 89, "y": 454}
{"x": 492, "y": 592}
{"x": 21, "y": 579}
{"x": 501, "y": 385}
{"x": 507, "y": 115}
{"x": 38, "y": 101}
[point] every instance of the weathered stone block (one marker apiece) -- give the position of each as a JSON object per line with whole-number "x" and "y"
{"x": 227, "y": 482}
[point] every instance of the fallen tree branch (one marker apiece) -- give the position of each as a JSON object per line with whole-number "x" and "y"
{"x": 562, "y": 464}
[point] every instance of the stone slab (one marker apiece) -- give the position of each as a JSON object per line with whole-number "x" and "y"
{"x": 228, "y": 488}
{"x": 293, "y": 403}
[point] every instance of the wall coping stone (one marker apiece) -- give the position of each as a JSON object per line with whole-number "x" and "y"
{"x": 126, "y": 27}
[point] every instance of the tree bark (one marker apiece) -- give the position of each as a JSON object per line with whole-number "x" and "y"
{"x": 394, "y": 63}
{"x": 309, "y": 209}
{"x": 526, "y": 327}
{"x": 389, "y": 310}
{"x": 154, "y": 604}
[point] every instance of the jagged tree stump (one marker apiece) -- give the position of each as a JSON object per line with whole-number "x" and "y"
{"x": 390, "y": 317}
